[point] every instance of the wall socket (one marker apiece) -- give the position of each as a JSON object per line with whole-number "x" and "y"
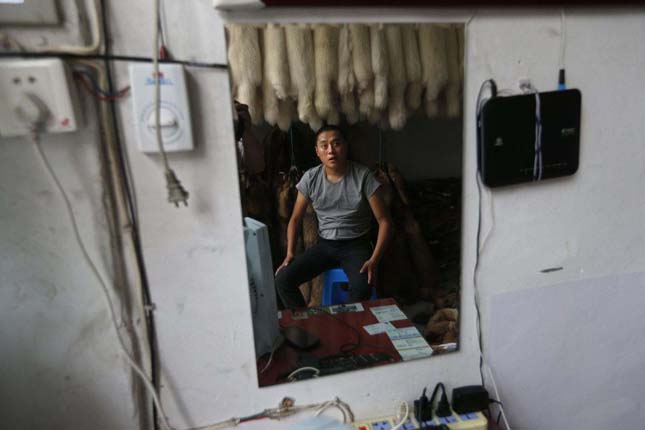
{"x": 46, "y": 79}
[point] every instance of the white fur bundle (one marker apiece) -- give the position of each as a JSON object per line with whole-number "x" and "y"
{"x": 346, "y": 79}
{"x": 276, "y": 111}
{"x": 326, "y": 57}
{"x": 246, "y": 69}
{"x": 276, "y": 64}
{"x": 432, "y": 49}
{"x": 362, "y": 64}
{"x": 379, "y": 66}
{"x": 453, "y": 102}
{"x": 412, "y": 66}
{"x": 397, "y": 77}
{"x": 301, "y": 70}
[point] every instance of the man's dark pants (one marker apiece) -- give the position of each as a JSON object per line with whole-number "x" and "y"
{"x": 349, "y": 254}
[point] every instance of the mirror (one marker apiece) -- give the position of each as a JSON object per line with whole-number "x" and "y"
{"x": 388, "y": 159}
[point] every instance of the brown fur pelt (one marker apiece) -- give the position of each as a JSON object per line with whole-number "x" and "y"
{"x": 443, "y": 326}
{"x": 256, "y": 201}
{"x": 310, "y": 238}
{"x": 432, "y": 49}
{"x": 245, "y": 63}
{"x": 408, "y": 234}
{"x": 397, "y": 277}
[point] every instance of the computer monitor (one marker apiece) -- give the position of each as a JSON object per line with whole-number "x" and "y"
{"x": 264, "y": 306}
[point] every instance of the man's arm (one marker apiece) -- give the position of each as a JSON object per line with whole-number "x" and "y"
{"x": 382, "y": 215}
{"x": 295, "y": 223}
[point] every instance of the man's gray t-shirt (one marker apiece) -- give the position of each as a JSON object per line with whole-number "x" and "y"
{"x": 342, "y": 208}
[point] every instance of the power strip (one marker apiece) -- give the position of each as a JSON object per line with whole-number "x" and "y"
{"x": 470, "y": 421}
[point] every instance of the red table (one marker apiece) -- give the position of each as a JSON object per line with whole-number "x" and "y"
{"x": 333, "y": 334}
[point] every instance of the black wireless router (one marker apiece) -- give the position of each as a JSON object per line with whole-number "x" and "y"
{"x": 507, "y": 151}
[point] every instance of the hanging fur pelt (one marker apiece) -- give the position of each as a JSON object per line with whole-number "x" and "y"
{"x": 453, "y": 87}
{"x": 362, "y": 65}
{"x": 300, "y": 51}
{"x": 432, "y": 48}
{"x": 246, "y": 69}
{"x": 276, "y": 63}
{"x": 346, "y": 79}
{"x": 309, "y": 239}
{"x": 379, "y": 65}
{"x": 326, "y": 57}
{"x": 412, "y": 66}
{"x": 397, "y": 78}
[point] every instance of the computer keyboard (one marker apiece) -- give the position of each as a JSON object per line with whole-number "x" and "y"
{"x": 344, "y": 362}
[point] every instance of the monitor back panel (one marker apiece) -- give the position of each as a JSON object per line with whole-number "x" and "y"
{"x": 506, "y": 148}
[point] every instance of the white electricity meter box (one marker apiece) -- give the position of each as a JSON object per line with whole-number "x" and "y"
{"x": 30, "y": 86}
{"x": 176, "y": 131}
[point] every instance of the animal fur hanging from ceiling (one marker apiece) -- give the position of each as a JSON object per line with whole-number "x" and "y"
{"x": 396, "y": 113}
{"x": 432, "y": 48}
{"x": 453, "y": 86}
{"x": 412, "y": 66}
{"x": 300, "y": 52}
{"x": 246, "y": 68}
{"x": 326, "y": 61}
{"x": 346, "y": 78}
{"x": 378, "y": 73}
{"x": 278, "y": 107}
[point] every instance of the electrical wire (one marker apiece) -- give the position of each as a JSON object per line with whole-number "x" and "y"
{"x": 93, "y": 89}
{"x": 93, "y": 47}
{"x": 126, "y": 58}
{"x": 501, "y": 407}
{"x": 176, "y": 193}
{"x": 104, "y": 288}
{"x": 402, "y": 415}
{"x": 302, "y": 369}
{"x": 563, "y": 38}
{"x": 348, "y": 415}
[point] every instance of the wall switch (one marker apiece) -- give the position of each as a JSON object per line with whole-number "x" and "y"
{"x": 44, "y": 79}
{"x": 174, "y": 115}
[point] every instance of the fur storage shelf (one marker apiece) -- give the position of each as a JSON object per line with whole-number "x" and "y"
{"x": 320, "y": 73}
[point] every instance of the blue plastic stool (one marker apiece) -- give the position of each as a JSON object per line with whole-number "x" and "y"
{"x": 333, "y": 293}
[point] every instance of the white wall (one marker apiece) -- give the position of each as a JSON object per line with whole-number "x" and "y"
{"x": 590, "y": 224}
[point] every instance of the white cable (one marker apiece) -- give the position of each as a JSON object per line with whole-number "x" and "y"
{"x": 157, "y": 104}
{"x": 497, "y": 396}
{"x": 402, "y": 417}
{"x": 93, "y": 47}
{"x": 106, "y": 294}
{"x": 302, "y": 369}
{"x": 266, "y": 366}
{"x": 563, "y": 37}
{"x": 348, "y": 415}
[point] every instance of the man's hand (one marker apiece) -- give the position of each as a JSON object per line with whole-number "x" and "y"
{"x": 285, "y": 263}
{"x": 371, "y": 266}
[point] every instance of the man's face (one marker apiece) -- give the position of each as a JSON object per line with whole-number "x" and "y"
{"x": 331, "y": 149}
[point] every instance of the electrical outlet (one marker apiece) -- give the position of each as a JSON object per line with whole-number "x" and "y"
{"x": 44, "y": 79}
{"x": 381, "y": 425}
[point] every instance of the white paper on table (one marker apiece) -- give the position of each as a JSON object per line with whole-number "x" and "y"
{"x": 403, "y": 333}
{"x": 412, "y": 342}
{"x": 414, "y": 353}
{"x": 388, "y": 313}
{"x": 379, "y": 328}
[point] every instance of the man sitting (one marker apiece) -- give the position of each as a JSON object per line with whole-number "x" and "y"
{"x": 344, "y": 195}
